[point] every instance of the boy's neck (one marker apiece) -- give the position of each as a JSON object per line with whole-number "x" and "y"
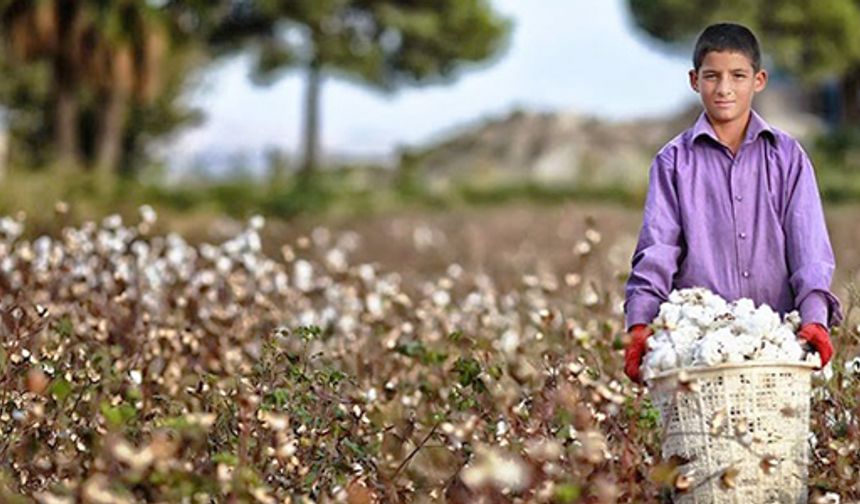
{"x": 732, "y": 133}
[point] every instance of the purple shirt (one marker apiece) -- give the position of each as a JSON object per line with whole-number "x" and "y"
{"x": 749, "y": 225}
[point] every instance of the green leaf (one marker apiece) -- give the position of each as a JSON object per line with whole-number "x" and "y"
{"x": 60, "y": 389}
{"x": 118, "y": 415}
{"x": 468, "y": 370}
{"x": 433, "y": 357}
{"x": 357, "y": 449}
{"x": 64, "y": 327}
{"x": 308, "y": 333}
{"x": 411, "y": 349}
{"x": 566, "y": 493}
{"x": 225, "y": 458}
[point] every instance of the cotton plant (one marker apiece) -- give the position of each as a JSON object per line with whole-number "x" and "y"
{"x": 696, "y": 327}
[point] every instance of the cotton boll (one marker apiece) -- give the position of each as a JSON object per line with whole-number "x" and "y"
{"x": 700, "y": 315}
{"x": 782, "y": 333}
{"x": 699, "y": 328}
{"x": 676, "y": 297}
{"x": 770, "y": 353}
{"x": 662, "y": 358}
{"x": 743, "y": 308}
{"x": 669, "y": 316}
{"x": 708, "y": 353}
{"x": 826, "y": 373}
{"x": 657, "y": 340}
{"x": 762, "y": 323}
{"x": 735, "y": 357}
{"x": 668, "y": 359}
{"x": 814, "y": 359}
{"x": 746, "y": 344}
{"x": 791, "y": 351}
{"x": 792, "y": 319}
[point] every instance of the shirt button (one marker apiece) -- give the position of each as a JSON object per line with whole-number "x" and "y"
{"x": 746, "y": 274}
{"x": 739, "y": 197}
{"x": 742, "y": 235}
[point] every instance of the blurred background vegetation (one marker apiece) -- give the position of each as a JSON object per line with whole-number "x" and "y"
{"x": 88, "y": 86}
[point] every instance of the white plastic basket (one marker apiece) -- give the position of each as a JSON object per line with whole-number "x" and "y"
{"x": 741, "y": 430}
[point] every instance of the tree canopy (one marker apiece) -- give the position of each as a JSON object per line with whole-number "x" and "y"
{"x": 812, "y": 41}
{"x": 383, "y": 44}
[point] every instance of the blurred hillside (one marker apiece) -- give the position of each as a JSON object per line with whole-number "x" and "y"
{"x": 572, "y": 150}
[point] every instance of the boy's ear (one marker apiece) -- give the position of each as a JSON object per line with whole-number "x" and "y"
{"x": 760, "y": 80}
{"x": 694, "y": 80}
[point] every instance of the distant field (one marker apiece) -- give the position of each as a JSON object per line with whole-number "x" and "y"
{"x": 513, "y": 239}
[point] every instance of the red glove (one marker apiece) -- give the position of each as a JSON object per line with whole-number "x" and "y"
{"x": 635, "y": 350}
{"x": 817, "y": 336}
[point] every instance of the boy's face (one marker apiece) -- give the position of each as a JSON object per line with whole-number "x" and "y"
{"x": 727, "y": 83}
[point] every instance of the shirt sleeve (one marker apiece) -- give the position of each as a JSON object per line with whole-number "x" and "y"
{"x": 808, "y": 251}
{"x": 655, "y": 260}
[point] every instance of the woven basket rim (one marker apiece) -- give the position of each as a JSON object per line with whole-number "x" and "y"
{"x": 721, "y": 367}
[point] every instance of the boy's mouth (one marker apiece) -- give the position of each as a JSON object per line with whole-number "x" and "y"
{"x": 724, "y": 104}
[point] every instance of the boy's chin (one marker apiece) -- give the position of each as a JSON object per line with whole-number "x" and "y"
{"x": 724, "y": 115}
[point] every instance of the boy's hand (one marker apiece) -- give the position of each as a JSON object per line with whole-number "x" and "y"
{"x": 817, "y": 336}
{"x": 635, "y": 350}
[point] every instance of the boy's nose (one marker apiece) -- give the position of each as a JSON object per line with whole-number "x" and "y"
{"x": 724, "y": 90}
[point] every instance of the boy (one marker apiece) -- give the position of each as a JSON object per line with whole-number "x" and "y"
{"x": 733, "y": 206}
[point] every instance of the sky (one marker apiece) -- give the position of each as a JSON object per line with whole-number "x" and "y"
{"x": 581, "y": 56}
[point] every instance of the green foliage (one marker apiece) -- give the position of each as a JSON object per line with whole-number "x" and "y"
{"x": 380, "y": 43}
{"x": 810, "y": 40}
{"x": 567, "y": 493}
{"x": 121, "y": 71}
{"x": 649, "y": 416}
{"x": 117, "y": 416}
{"x": 60, "y": 389}
{"x": 419, "y": 351}
{"x": 468, "y": 371}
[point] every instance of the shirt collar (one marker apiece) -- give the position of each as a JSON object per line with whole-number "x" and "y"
{"x": 755, "y": 128}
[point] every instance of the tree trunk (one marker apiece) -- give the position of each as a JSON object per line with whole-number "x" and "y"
{"x": 311, "y": 129}
{"x": 111, "y": 127}
{"x": 66, "y": 107}
{"x": 4, "y": 153}
{"x": 851, "y": 97}
{"x": 66, "y": 135}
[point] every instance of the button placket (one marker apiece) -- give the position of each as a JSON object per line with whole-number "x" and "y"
{"x": 739, "y": 225}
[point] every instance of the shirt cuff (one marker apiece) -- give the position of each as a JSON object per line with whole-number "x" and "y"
{"x": 814, "y": 309}
{"x": 641, "y": 309}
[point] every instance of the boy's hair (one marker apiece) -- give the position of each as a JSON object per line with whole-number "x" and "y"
{"x": 727, "y": 37}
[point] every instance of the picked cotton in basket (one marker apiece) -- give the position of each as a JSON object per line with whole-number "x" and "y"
{"x": 696, "y": 327}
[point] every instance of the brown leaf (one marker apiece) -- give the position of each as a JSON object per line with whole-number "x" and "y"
{"x": 788, "y": 411}
{"x": 665, "y": 472}
{"x": 683, "y": 482}
{"x": 458, "y": 493}
{"x": 37, "y": 382}
{"x": 729, "y": 477}
{"x": 769, "y": 464}
{"x": 358, "y": 493}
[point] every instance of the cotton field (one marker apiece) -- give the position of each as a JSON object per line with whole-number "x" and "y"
{"x": 138, "y": 365}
